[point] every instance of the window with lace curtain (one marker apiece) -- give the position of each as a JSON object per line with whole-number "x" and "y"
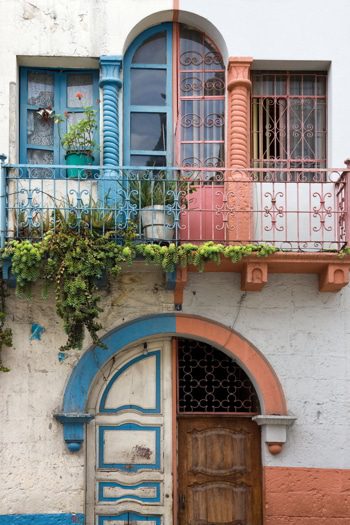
{"x": 44, "y": 92}
{"x": 289, "y": 120}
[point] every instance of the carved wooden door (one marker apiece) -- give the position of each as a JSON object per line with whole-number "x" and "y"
{"x": 219, "y": 471}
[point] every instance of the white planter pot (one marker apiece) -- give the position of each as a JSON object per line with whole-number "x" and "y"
{"x": 157, "y": 224}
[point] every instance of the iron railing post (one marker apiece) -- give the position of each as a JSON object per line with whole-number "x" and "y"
{"x": 2, "y": 200}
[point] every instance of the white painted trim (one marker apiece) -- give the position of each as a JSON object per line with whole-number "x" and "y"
{"x": 274, "y": 428}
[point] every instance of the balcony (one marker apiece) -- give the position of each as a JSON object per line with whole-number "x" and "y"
{"x": 303, "y": 213}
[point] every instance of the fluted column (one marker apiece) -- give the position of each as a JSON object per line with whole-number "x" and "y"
{"x": 110, "y": 67}
{"x": 239, "y": 192}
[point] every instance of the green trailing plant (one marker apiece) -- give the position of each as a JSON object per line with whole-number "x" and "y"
{"x": 5, "y": 332}
{"x": 73, "y": 261}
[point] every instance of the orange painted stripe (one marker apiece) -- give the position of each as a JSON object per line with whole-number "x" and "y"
{"x": 306, "y": 496}
{"x": 176, "y": 10}
{"x": 257, "y": 367}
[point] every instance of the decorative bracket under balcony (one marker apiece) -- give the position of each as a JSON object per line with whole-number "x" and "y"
{"x": 331, "y": 267}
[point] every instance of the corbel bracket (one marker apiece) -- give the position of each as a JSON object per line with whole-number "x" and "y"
{"x": 73, "y": 428}
{"x": 274, "y": 430}
{"x": 334, "y": 277}
{"x": 254, "y": 276}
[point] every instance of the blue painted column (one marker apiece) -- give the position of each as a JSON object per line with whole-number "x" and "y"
{"x": 110, "y": 187}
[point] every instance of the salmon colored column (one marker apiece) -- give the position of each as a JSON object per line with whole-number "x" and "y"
{"x": 239, "y": 192}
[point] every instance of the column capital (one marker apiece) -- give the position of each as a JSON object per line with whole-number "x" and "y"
{"x": 110, "y": 68}
{"x": 238, "y": 72}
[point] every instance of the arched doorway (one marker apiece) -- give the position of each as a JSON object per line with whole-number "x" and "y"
{"x": 173, "y": 438}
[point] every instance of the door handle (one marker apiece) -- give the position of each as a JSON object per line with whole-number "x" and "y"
{"x": 182, "y": 502}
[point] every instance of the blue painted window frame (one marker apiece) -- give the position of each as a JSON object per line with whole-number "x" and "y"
{"x": 167, "y": 109}
{"x": 60, "y": 93}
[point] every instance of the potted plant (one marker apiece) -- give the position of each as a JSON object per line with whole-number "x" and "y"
{"x": 79, "y": 139}
{"x": 158, "y": 201}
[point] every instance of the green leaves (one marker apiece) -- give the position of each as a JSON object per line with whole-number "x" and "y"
{"x": 73, "y": 261}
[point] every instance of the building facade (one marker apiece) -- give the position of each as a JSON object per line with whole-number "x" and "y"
{"x": 220, "y": 396}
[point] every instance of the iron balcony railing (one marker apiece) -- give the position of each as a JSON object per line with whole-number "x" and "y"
{"x": 292, "y": 209}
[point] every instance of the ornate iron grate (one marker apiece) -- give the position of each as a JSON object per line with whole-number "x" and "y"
{"x": 210, "y": 381}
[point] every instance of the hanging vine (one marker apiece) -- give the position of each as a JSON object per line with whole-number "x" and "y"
{"x": 74, "y": 262}
{"x": 5, "y": 333}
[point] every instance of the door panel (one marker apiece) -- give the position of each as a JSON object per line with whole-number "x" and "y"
{"x": 130, "y": 437}
{"x": 219, "y": 468}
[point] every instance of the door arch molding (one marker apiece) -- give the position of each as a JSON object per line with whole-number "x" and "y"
{"x": 73, "y": 415}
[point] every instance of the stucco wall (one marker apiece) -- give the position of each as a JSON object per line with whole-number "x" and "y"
{"x": 297, "y": 34}
{"x": 303, "y": 334}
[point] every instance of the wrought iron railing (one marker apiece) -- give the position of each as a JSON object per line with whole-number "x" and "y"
{"x": 290, "y": 208}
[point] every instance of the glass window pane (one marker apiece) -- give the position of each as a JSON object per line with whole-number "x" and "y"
{"x": 39, "y": 129}
{"x": 197, "y": 51}
{"x": 148, "y": 87}
{"x": 73, "y": 118}
{"x": 147, "y": 160}
{"x": 37, "y": 156}
{"x": 202, "y": 155}
{"x": 202, "y": 84}
{"x": 296, "y": 84}
{"x": 148, "y": 131}
{"x": 321, "y": 86}
{"x": 309, "y": 85}
{"x": 40, "y": 89}
{"x": 79, "y": 90}
{"x": 202, "y": 120}
{"x": 152, "y": 51}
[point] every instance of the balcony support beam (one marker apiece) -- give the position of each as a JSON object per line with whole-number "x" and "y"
{"x": 240, "y": 197}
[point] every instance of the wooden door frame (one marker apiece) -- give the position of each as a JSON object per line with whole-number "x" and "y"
{"x": 174, "y": 379}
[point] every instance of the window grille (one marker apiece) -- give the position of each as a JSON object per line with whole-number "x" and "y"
{"x": 201, "y": 87}
{"x": 209, "y": 381}
{"x": 289, "y": 125}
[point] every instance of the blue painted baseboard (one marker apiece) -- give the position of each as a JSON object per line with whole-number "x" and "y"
{"x": 41, "y": 519}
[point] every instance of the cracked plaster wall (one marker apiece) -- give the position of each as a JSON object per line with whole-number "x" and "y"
{"x": 304, "y": 334}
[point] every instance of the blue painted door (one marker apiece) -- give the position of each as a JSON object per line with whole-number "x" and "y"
{"x": 131, "y": 434}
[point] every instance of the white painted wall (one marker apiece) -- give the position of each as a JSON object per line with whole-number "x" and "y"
{"x": 309, "y": 34}
{"x": 303, "y": 333}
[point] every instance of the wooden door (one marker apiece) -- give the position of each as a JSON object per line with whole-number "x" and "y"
{"x": 219, "y": 471}
{"x": 130, "y": 480}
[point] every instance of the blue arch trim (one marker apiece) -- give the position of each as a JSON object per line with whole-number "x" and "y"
{"x": 73, "y": 417}
{"x": 77, "y": 390}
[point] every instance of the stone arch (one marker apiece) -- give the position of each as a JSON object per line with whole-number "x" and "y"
{"x": 258, "y": 369}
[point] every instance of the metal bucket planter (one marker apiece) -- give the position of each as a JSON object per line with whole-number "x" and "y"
{"x": 157, "y": 223}
{"x": 77, "y": 159}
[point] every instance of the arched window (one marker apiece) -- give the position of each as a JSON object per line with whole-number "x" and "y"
{"x": 174, "y": 99}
